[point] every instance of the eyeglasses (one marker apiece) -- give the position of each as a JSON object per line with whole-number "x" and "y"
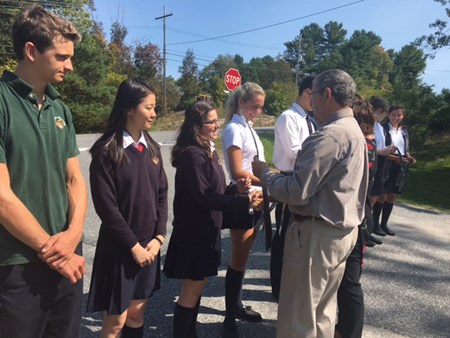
{"x": 314, "y": 92}
{"x": 216, "y": 122}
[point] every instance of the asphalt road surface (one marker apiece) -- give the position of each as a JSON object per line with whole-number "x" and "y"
{"x": 406, "y": 280}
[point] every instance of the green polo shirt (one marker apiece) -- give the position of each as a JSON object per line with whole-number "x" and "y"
{"x": 35, "y": 145}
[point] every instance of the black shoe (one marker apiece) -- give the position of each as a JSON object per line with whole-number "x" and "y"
{"x": 379, "y": 232}
{"x": 230, "y": 329}
{"x": 375, "y": 240}
{"x": 246, "y": 313}
{"x": 388, "y": 231}
{"x": 370, "y": 244}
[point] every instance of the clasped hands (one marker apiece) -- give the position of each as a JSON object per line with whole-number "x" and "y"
{"x": 59, "y": 254}
{"x": 255, "y": 196}
{"x": 145, "y": 256}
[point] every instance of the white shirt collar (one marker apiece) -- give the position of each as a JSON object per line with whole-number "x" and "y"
{"x": 128, "y": 140}
{"x": 298, "y": 109}
{"x": 241, "y": 119}
{"x": 212, "y": 146}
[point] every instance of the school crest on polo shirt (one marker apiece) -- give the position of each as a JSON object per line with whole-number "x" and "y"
{"x": 59, "y": 122}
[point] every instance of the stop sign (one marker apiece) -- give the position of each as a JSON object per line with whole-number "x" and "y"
{"x": 232, "y": 79}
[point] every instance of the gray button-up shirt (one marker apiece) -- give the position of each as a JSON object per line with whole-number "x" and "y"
{"x": 330, "y": 175}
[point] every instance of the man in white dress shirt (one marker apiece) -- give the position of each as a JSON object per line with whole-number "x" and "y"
{"x": 292, "y": 127}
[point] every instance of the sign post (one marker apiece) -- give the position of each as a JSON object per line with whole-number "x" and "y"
{"x": 232, "y": 79}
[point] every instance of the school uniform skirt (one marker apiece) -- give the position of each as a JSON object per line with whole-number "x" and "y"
{"x": 239, "y": 220}
{"x": 117, "y": 278}
{"x": 193, "y": 255}
{"x": 381, "y": 176}
{"x": 393, "y": 185}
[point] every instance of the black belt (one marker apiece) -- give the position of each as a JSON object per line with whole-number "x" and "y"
{"x": 286, "y": 173}
{"x": 302, "y": 218}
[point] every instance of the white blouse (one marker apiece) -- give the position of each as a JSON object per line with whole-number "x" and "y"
{"x": 238, "y": 132}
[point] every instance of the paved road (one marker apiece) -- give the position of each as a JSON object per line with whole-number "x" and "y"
{"x": 406, "y": 280}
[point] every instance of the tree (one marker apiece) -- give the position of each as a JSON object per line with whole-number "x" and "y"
{"x": 280, "y": 97}
{"x": 266, "y": 70}
{"x": 188, "y": 82}
{"x": 219, "y": 67}
{"x": 216, "y": 88}
{"x": 147, "y": 61}
{"x": 74, "y": 10}
{"x": 365, "y": 59}
{"x": 440, "y": 119}
{"x": 303, "y": 53}
{"x": 121, "y": 52}
{"x": 173, "y": 94}
{"x": 409, "y": 65}
{"x": 89, "y": 91}
{"x": 440, "y": 38}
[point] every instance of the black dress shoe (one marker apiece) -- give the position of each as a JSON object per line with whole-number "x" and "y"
{"x": 388, "y": 231}
{"x": 375, "y": 240}
{"x": 230, "y": 329}
{"x": 379, "y": 232}
{"x": 246, "y": 313}
{"x": 370, "y": 244}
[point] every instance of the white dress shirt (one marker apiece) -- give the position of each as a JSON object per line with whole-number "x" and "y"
{"x": 380, "y": 140}
{"x": 398, "y": 139}
{"x": 291, "y": 129}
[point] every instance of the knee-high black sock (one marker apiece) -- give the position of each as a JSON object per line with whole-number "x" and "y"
{"x": 182, "y": 320}
{"x": 132, "y": 332}
{"x": 233, "y": 282}
{"x": 239, "y": 300}
{"x": 193, "y": 328}
{"x": 376, "y": 211}
{"x": 387, "y": 209}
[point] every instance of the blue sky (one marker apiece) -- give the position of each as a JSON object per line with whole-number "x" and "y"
{"x": 397, "y": 22}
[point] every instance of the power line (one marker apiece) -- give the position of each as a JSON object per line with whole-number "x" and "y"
{"x": 223, "y": 41}
{"x": 181, "y": 55}
{"x": 439, "y": 70}
{"x": 180, "y": 52}
{"x": 265, "y": 27}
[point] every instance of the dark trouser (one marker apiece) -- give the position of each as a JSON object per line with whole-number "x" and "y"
{"x": 282, "y": 214}
{"x": 350, "y": 295}
{"x": 36, "y": 301}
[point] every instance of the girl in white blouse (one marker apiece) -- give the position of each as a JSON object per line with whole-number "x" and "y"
{"x": 241, "y": 144}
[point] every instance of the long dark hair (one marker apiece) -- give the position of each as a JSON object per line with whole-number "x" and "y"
{"x": 189, "y": 133}
{"x": 129, "y": 95}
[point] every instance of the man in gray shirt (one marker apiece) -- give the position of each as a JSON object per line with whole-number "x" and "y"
{"x": 326, "y": 195}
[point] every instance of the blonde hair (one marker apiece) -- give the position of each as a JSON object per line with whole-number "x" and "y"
{"x": 245, "y": 93}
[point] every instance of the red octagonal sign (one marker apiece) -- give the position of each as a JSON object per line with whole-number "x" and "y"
{"x": 232, "y": 79}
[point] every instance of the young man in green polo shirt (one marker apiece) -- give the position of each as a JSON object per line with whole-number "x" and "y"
{"x": 43, "y": 193}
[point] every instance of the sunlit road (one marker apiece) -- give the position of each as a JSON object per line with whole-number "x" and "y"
{"x": 406, "y": 280}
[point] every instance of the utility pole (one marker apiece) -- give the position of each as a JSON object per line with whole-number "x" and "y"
{"x": 299, "y": 59}
{"x": 164, "y": 58}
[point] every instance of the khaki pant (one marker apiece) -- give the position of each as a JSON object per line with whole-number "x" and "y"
{"x": 313, "y": 265}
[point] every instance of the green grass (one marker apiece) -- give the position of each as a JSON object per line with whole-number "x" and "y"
{"x": 428, "y": 181}
{"x": 267, "y": 141}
